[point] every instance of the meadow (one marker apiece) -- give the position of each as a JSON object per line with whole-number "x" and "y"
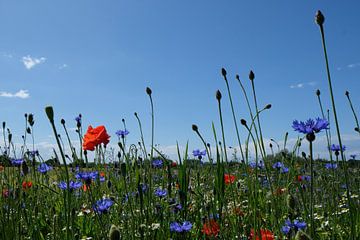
{"x": 203, "y": 194}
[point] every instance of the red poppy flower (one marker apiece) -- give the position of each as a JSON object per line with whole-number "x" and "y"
{"x": 94, "y": 137}
{"x": 299, "y": 178}
{"x": 173, "y": 164}
{"x": 26, "y": 185}
{"x": 102, "y": 174}
{"x": 229, "y": 178}
{"x": 211, "y": 228}
{"x": 265, "y": 235}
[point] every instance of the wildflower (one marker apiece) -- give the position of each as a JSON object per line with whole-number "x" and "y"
{"x": 336, "y": 148}
{"x": 17, "y": 162}
{"x": 103, "y": 205}
{"x": 87, "y": 177}
{"x": 296, "y": 225}
{"x": 160, "y": 192}
{"x": 44, "y": 168}
{"x": 5, "y": 192}
{"x": 72, "y": 185}
{"x": 211, "y": 228}
{"x": 278, "y": 165}
{"x": 301, "y": 178}
{"x": 122, "y": 133}
{"x": 229, "y": 178}
{"x": 26, "y": 184}
{"x": 310, "y": 126}
{"x": 175, "y": 227}
{"x": 265, "y": 235}
{"x": 78, "y": 121}
{"x": 199, "y": 154}
{"x": 95, "y": 136}
{"x": 173, "y": 164}
{"x": 157, "y": 163}
{"x": 330, "y": 165}
{"x": 353, "y": 156}
{"x": 260, "y": 165}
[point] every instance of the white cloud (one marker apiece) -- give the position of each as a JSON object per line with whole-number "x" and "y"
{"x": 20, "y": 94}
{"x": 302, "y": 85}
{"x": 7, "y": 55}
{"x": 349, "y": 66}
{"x": 62, "y": 66}
{"x": 30, "y": 62}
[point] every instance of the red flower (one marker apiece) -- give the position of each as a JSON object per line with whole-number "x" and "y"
{"x": 211, "y": 228}
{"x": 173, "y": 164}
{"x": 299, "y": 178}
{"x": 26, "y": 185}
{"x": 229, "y": 178}
{"x": 265, "y": 235}
{"x": 94, "y": 137}
{"x": 5, "y": 193}
{"x": 102, "y": 174}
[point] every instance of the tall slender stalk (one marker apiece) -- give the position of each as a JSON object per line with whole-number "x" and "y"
{"x": 149, "y": 92}
{"x": 352, "y": 109}
{"x": 218, "y": 97}
{"x": 320, "y": 21}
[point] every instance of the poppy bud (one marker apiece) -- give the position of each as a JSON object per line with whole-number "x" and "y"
{"x": 319, "y": 18}
{"x": 357, "y": 129}
{"x": 243, "y": 122}
{"x": 237, "y": 77}
{"x": 270, "y": 145}
{"x": 28, "y": 130}
{"x": 195, "y": 128}
{"x": 218, "y": 95}
{"x": 251, "y": 75}
{"x": 347, "y": 93}
{"x": 318, "y": 92}
{"x": 10, "y": 137}
{"x": 31, "y": 119}
{"x": 85, "y": 152}
{"x": 223, "y": 72}
{"x": 114, "y": 233}
{"x": 123, "y": 120}
{"x": 135, "y": 113}
{"x": 148, "y": 91}
{"x": 268, "y": 106}
{"x": 208, "y": 145}
{"x": 3, "y": 125}
{"x": 109, "y": 184}
{"x": 50, "y": 113}
{"x": 62, "y": 121}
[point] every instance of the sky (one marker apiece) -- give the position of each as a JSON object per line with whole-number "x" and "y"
{"x": 97, "y": 57}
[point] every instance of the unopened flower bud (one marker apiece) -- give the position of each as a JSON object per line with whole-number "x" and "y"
{"x": 318, "y": 92}
{"x": 223, "y": 72}
{"x": 268, "y": 106}
{"x": 148, "y": 91}
{"x": 319, "y": 18}
{"x": 243, "y": 122}
{"x": 195, "y": 128}
{"x": 218, "y": 95}
{"x": 62, "y": 121}
{"x": 347, "y": 93}
{"x": 251, "y": 75}
{"x": 50, "y": 113}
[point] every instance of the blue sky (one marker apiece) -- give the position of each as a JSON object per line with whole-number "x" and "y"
{"x": 97, "y": 58}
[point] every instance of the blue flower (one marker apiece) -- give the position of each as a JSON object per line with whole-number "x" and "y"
{"x": 44, "y": 168}
{"x": 78, "y": 120}
{"x": 72, "y": 185}
{"x": 285, "y": 229}
{"x": 122, "y": 133}
{"x": 296, "y": 225}
{"x": 299, "y": 225}
{"x": 17, "y": 162}
{"x": 87, "y": 176}
{"x": 310, "y": 126}
{"x": 103, "y": 205}
{"x": 336, "y": 148}
{"x": 284, "y": 170}
{"x": 260, "y": 165}
{"x": 177, "y": 227}
{"x": 160, "y": 192}
{"x": 278, "y": 165}
{"x": 331, "y": 166}
{"x": 157, "y": 163}
{"x": 353, "y": 156}
{"x": 198, "y": 153}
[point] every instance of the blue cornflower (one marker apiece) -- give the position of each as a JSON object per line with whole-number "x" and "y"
{"x": 44, "y": 168}
{"x": 296, "y": 225}
{"x": 87, "y": 176}
{"x": 17, "y": 162}
{"x": 177, "y": 227}
{"x": 299, "y": 225}
{"x": 285, "y": 229}
{"x": 198, "y": 153}
{"x": 160, "y": 192}
{"x": 78, "y": 120}
{"x": 310, "y": 126}
{"x": 122, "y": 133}
{"x": 336, "y": 148}
{"x": 278, "y": 165}
{"x": 72, "y": 185}
{"x": 33, "y": 153}
{"x": 103, "y": 205}
{"x": 353, "y": 156}
{"x": 331, "y": 166}
{"x": 157, "y": 163}
{"x": 284, "y": 170}
{"x": 260, "y": 165}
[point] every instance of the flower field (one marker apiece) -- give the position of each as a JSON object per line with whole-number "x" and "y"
{"x": 203, "y": 194}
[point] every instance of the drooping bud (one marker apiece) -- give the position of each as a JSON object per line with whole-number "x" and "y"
{"x": 135, "y": 113}
{"x": 251, "y": 75}
{"x": 218, "y": 95}
{"x": 318, "y": 92}
{"x": 195, "y": 128}
{"x": 28, "y": 130}
{"x": 319, "y": 18}
{"x": 148, "y": 91}
{"x": 243, "y": 122}
{"x": 50, "y": 113}
{"x": 268, "y": 106}
{"x": 31, "y": 119}
{"x": 223, "y": 72}
{"x": 237, "y": 77}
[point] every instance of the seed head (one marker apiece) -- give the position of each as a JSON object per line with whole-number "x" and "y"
{"x": 223, "y": 72}
{"x": 251, "y": 75}
{"x": 319, "y": 18}
{"x": 148, "y": 91}
{"x": 218, "y": 95}
{"x": 318, "y": 92}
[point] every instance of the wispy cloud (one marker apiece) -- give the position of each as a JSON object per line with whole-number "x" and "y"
{"x": 30, "y": 62}
{"x": 302, "y": 85}
{"x": 349, "y": 66}
{"x": 7, "y": 55}
{"x": 20, "y": 94}
{"x": 62, "y": 66}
